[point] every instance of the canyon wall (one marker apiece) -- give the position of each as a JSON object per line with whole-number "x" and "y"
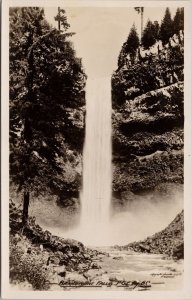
{"x": 148, "y": 118}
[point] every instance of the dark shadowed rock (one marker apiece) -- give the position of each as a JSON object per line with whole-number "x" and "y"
{"x": 178, "y": 251}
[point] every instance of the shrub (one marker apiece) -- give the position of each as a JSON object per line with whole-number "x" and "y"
{"x": 27, "y": 267}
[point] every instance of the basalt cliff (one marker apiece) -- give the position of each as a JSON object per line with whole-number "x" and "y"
{"x": 148, "y": 118}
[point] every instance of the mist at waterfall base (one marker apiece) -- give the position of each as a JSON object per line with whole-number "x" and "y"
{"x": 135, "y": 219}
{"x": 133, "y": 222}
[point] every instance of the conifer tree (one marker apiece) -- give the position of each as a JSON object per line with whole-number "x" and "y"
{"x": 130, "y": 46}
{"x": 122, "y": 56}
{"x": 178, "y": 21}
{"x": 45, "y": 78}
{"x": 156, "y": 29}
{"x": 133, "y": 41}
{"x": 166, "y": 29}
{"x": 150, "y": 34}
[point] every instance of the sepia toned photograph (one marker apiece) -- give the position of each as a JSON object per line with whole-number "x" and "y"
{"x": 95, "y": 106}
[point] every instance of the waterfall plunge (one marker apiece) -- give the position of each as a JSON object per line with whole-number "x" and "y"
{"x": 94, "y": 227}
{"x": 97, "y": 175}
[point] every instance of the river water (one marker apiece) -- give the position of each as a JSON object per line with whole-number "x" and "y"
{"x": 161, "y": 272}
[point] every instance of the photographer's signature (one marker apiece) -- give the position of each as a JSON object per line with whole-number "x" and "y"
{"x": 166, "y": 275}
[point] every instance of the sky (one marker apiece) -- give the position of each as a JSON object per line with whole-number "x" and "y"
{"x": 101, "y": 32}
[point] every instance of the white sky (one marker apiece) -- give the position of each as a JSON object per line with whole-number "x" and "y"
{"x": 101, "y": 32}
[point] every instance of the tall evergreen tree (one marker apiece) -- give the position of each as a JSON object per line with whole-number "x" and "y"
{"x": 130, "y": 46}
{"x": 156, "y": 29}
{"x": 178, "y": 21}
{"x": 133, "y": 41}
{"x": 150, "y": 34}
{"x": 45, "y": 78}
{"x": 166, "y": 29}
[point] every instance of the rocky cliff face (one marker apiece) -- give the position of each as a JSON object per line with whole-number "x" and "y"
{"x": 148, "y": 118}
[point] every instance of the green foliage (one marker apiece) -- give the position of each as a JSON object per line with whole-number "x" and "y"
{"x": 46, "y": 78}
{"x": 166, "y": 29}
{"x": 178, "y": 21}
{"x": 150, "y": 34}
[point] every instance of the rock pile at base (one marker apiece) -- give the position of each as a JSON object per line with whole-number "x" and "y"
{"x": 42, "y": 259}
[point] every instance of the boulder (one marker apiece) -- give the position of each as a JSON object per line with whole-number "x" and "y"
{"x": 82, "y": 266}
{"x": 178, "y": 251}
{"x": 94, "y": 266}
{"x": 60, "y": 270}
{"x": 75, "y": 277}
{"x": 144, "y": 247}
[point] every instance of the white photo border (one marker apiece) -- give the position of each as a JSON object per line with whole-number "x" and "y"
{"x": 6, "y": 292}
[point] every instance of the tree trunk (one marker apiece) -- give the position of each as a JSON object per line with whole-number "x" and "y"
{"x": 28, "y": 131}
{"x": 142, "y": 10}
{"x": 25, "y": 208}
{"x": 59, "y": 21}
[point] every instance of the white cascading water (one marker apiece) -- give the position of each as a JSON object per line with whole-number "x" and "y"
{"x": 97, "y": 175}
{"x": 94, "y": 227}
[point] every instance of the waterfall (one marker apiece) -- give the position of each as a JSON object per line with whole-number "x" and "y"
{"x": 97, "y": 174}
{"x": 95, "y": 228}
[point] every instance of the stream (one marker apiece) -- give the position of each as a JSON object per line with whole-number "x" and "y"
{"x": 130, "y": 271}
{"x": 162, "y": 273}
